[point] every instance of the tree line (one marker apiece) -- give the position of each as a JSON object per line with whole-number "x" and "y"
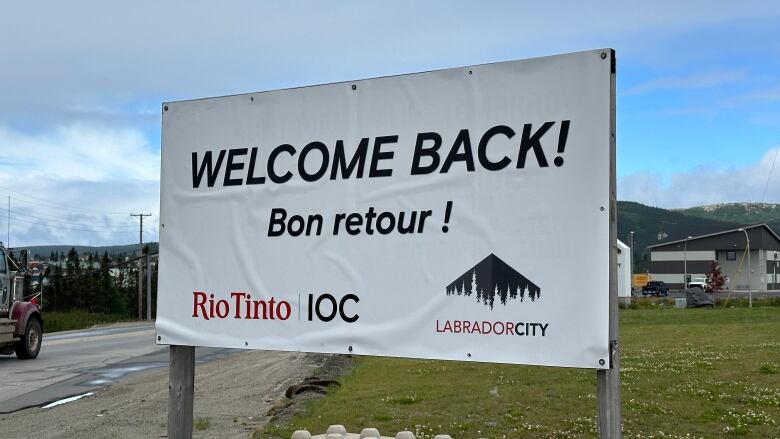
{"x": 97, "y": 284}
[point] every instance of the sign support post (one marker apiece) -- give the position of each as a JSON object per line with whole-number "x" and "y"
{"x": 181, "y": 391}
{"x": 608, "y": 380}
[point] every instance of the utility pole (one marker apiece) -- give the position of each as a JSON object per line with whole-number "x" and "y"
{"x": 149, "y": 286}
{"x": 140, "y": 261}
{"x": 8, "y": 239}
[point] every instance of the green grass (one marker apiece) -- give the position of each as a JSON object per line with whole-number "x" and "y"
{"x": 709, "y": 373}
{"x": 67, "y": 320}
{"x": 201, "y": 424}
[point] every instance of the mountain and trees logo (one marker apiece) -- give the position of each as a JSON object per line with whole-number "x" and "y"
{"x": 493, "y": 277}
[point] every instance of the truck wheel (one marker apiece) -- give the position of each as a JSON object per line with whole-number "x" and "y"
{"x": 30, "y": 344}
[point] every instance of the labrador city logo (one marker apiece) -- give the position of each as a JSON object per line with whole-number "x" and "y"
{"x": 487, "y": 281}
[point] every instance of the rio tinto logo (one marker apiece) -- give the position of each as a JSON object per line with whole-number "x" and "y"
{"x": 319, "y": 307}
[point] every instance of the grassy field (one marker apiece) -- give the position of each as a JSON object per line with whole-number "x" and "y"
{"x": 68, "y": 320}
{"x": 686, "y": 374}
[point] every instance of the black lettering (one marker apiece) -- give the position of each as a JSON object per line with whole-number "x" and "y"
{"x": 337, "y": 222}
{"x": 483, "y": 143}
{"x": 314, "y": 219}
{"x": 354, "y": 221}
{"x": 379, "y": 223}
{"x": 404, "y": 229}
{"x": 332, "y": 300}
{"x": 370, "y": 215}
{"x": 232, "y": 166}
{"x": 251, "y": 179}
{"x": 275, "y": 221}
{"x": 431, "y": 152}
{"x": 340, "y": 160}
{"x": 344, "y": 316}
{"x": 295, "y": 225}
{"x": 279, "y": 179}
{"x": 213, "y": 170}
{"x": 423, "y": 215}
{"x": 532, "y": 142}
{"x": 455, "y": 156}
{"x": 319, "y": 146}
{"x": 378, "y": 155}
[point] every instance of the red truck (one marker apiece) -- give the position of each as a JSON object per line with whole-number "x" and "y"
{"x": 21, "y": 321}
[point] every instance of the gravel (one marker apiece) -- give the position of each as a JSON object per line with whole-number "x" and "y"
{"x": 233, "y": 396}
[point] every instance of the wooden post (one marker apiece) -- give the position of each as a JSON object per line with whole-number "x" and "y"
{"x": 181, "y": 389}
{"x": 149, "y": 286}
{"x": 608, "y": 380}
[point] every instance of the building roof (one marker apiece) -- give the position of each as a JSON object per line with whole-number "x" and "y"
{"x": 764, "y": 225}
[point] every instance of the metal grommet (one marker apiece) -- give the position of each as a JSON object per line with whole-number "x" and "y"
{"x": 603, "y": 55}
{"x": 601, "y": 362}
{"x": 165, "y": 108}
{"x": 251, "y": 98}
{"x": 468, "y": 354}
{"x": 470, "y": 72}
{"x": 354, "y": 87}
{"x": 159, "y": 338}
{"x": 601, "y": 208}
{"x": 350, "y": 348}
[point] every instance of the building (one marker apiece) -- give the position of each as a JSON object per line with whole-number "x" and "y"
{"x": 623, "y": 269}
{"x": 671, "y": 262}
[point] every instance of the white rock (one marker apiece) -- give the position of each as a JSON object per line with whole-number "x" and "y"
{"x": 301, "y": 434}
{"x": 338, "y": 429}
{"x": 404, "y": 435}
{"x": 370, "y": 433}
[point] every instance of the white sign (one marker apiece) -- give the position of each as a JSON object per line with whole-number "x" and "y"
{"x": 457, "y": 214}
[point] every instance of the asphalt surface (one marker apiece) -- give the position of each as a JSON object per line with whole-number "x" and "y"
{"x": 722, "y": 294}
{"x": 76, "y": 362}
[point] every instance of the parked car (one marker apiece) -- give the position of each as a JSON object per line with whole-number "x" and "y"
{"x": 698, "y": 282}
{"x": 655, "y": 288}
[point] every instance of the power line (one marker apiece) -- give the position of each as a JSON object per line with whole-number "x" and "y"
{"x": 42, "y": 202}
{"x": 60, "y": 222}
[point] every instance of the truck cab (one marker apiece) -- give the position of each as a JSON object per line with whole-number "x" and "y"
{"x": 21, "y": 322}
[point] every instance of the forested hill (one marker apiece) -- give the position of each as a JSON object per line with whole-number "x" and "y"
{"x": 114, "y": 251}
{"x": 652, "y": 225}
{"x": 742, "y": 213}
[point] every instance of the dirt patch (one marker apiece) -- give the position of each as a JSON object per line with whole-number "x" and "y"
{"x": 326, "y": 375}
{"x": 233, "y": 397}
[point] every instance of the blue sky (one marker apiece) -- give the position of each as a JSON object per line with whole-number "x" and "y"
{"x": 82, "y": 83}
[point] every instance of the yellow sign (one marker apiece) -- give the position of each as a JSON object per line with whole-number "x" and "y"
{"x": 640, "y": 280}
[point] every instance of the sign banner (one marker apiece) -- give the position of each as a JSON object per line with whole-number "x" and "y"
{"x": 458, "y": 214}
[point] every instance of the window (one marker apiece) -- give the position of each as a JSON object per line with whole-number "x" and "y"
{"x": 2, "y": 263}
{"x": 731, "y": 256}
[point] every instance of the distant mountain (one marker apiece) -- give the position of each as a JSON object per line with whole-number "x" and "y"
{"x": 652, "y": 225}
{"x": 114, "y": 251}
{"x": 742, "y": 213}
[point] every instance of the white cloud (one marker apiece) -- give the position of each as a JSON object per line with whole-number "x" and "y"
{"x": 77, "y": 185}
{"x": 79, "y": 152}
{"x": 689, "y": 82}
{"x": 706, "y": 185}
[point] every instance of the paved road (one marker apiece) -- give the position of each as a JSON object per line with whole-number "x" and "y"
{"x": 76, "y": 362}
{"x": 723, "y": 294}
